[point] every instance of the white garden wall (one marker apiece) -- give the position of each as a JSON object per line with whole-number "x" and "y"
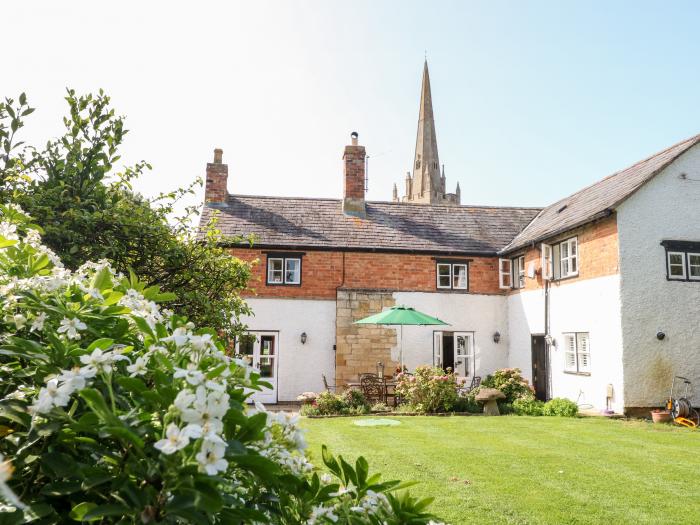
{"x": 300, "y": 366}
{"x": 591, "y": 305}
{"x": 667, "y": 207}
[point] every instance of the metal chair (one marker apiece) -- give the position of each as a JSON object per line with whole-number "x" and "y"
{"x": 476, "y": 381}
{"x": 326, "y": 385}
{"x": 373, "y": 388}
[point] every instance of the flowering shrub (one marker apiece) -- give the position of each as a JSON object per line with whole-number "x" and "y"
{"x": 511, "y": 382}
{"x": 429, "y": 389}
{"x": 330, "y": 404}
{"x": 115, "y": 410}
{"x": 528, "y": 407}
{"x": 306, "y": 398}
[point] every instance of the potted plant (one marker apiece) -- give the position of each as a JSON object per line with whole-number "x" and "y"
{"x": 661, "y": 415}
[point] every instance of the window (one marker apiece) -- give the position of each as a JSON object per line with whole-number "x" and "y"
{"x": 682, "y": 260}
{"x": 694, "y": 266}
{"x": 452, "y": 276}
{"x": 568, "y": 258}
{"x": 577, "y": 353}
{"x": 505, "y": 278}
{"x": 518, "y": 268}
{"x": 283, "y": 270}
{"x": 560, "y": 260}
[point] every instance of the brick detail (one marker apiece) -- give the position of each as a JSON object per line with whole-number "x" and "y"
{"x": 598, "y": 253}
{"x": 360, "y": 347}
{"x": 215, "y": 186}
{"x": 324, "y": 272}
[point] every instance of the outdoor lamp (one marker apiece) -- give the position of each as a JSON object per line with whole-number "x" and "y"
{"x": 496, "y": 337}
{"x": 303, "y": 338}
{"x": 660, "y": 335}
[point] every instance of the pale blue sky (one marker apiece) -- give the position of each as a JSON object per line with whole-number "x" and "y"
{"x": 533, "y": 100}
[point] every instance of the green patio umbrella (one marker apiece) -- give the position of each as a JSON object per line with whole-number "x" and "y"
{"x": 400, "y": 316}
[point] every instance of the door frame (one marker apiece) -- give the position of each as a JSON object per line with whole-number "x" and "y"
{"x": 536, "y": 380}
{"x": 265, "y": 395}
{"x": 438, "y": 348}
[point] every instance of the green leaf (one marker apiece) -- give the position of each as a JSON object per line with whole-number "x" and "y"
{"x": 103, "y": 344}
{"x": 81, "y": 509}
{"x": 99, "y": 406}
{"x": 102, "y": 279}
{"x": 101, "y": 511}
{"x": 59, "y": 464}
{"x": 61, "y": 488}
{"x": 207, "y": 497}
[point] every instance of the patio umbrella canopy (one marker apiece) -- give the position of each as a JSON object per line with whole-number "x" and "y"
{"x": 400, "y": 316}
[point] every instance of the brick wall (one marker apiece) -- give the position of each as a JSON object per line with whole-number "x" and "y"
{"x": 598, "y": 253}
{"x": 215, "y": 187}
{"x": 324, "y": 272}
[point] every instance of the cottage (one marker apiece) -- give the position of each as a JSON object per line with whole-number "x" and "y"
{"x": 595, "y": 297}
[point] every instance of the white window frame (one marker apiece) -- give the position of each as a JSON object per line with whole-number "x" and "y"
{"x": 518, "y": 269}
{"x": 690, "y": 275}
{"x": 454, "y": 276}
{"x": 577, "y": 352}
{"x": 298, "y": 272}
{"x": 271, "y": 271}
{"x": 505, "y": 277}
{"x": 451, "y": 274}
{"x": 572, "y": 256}
{"x": 683, "y": 265}
{"x": 547, "y": 262}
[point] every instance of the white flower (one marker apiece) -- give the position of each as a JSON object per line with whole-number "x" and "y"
{"x": 179, "y": 336}
{"x": 183, "y": 400}
{"x": 71, "y": 326}
{"x": 193, "y": 376}
{"x": 76, "y": 377}
{"x": 206, "y": 407}
{"x": 97, "y": 360}
{"x": 319, "y": 512}
{"x": 50, "y": 396}
{"x": 38, "y": 322}
{"x": 8, "y": 230}
{"x": 138, "y": 368}
{"x": 211, "y": 458}
{"x": 19, "y": 321}
{"x": 201, "y": 342}
{"x": 174, "y": 440}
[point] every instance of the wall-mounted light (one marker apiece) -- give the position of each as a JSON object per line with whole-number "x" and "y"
{"x": 660, "y": 335}
{"x": 496, "y": 337}
{"x": 550, "y": 340}
{"x": 303, "y": 338}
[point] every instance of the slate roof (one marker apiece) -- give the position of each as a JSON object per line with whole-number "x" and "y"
{"x": 304, "y": 223}
{"x": 598, "y": 200}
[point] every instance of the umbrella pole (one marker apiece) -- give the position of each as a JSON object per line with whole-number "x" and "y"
{"x": 401, "y": 348}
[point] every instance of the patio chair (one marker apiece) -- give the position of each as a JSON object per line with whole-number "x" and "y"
{"x": 326, "y": 385}
{"x": 476, "y": 381}
{"x": 373, "y": 388}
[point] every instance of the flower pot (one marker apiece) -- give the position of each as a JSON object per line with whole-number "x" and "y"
{"x": 661, "y": 416}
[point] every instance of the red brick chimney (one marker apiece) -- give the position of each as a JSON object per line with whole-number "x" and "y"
{"x": 354, "y": 178}
{"x": 217, "y": 177}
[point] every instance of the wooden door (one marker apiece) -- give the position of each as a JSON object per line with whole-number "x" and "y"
{"x": 540, "y": 367}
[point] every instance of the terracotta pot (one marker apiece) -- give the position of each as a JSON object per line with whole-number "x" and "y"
{"x": 661, "y": 416}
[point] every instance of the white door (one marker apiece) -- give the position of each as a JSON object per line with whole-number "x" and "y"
{"x": 464, "y": 361}
{"x": 260, "y": 350}
{"x": 437, "y": 349}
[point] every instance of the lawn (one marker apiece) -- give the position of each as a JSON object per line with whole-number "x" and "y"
{"x": 531, "y": 469}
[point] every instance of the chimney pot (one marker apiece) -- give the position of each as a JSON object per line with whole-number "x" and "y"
{"x": 353, "y": 138}
{"x": 218, "y": 155}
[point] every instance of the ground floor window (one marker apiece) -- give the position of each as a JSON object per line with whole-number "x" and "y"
{"x": 577, "y": 353}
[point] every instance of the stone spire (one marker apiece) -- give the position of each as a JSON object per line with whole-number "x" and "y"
{"x": 395, "y": 194}
{"x": 427, "y": 184}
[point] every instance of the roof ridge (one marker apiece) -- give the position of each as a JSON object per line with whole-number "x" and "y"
{"x": 390, "y": 203}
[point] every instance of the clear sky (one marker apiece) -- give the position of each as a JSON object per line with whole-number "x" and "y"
{"x": 533, "y": 99}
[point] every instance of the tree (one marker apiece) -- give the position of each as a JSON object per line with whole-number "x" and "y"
{"x": 89, "y": 211}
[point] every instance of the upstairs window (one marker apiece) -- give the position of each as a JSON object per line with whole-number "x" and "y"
{"x": 577, "y": 353}
{"x": 682, "y": 260}
{"x": 560, "y": 260}
{"x": 518, "y": 265}
{"x": 452, "y": 276}
{"x": 283, "y": 269}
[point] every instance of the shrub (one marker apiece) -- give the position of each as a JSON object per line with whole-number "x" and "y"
{"x": 560, "y": 407}
{"x": 467, "y": 403}
{"x": 113, "y": 410}
{"x": 528, "y": 407}
{"x": 429, "y": 389}
{"x": 511, "y": 382}
{"x": 329, "y": 403}
{"x": 309, "y": 409}
{"x": 307, "y": 398}
{"x": 380, "y": 407}
{"x": 356, "y": 401}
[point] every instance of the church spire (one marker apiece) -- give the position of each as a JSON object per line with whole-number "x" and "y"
{"x": 427, "y": 183}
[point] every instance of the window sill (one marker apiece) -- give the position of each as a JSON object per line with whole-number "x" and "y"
{"x": 572, "y": 373}
{"x": 567, "y": 278}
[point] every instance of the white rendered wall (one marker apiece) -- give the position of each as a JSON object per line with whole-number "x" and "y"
{"x": 300, "y": 367}
{"x": 481, "y": 314}
{"x": 667, "y": 207}
{"x": 590, "y": 305}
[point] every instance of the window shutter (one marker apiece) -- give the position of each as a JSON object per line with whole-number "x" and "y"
{"x": 556, "y": 262}
{"x": 546, "y": 262}
{"x": 584, "y": 352}
{"x": 570, "y": 352}
{"x": 504, "y": 274}
{"x": 437, "y": 349}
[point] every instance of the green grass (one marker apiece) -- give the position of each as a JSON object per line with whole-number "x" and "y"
{"x": 531, "y": 469}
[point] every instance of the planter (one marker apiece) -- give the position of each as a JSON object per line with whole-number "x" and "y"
{"x": 661, "y": 416}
